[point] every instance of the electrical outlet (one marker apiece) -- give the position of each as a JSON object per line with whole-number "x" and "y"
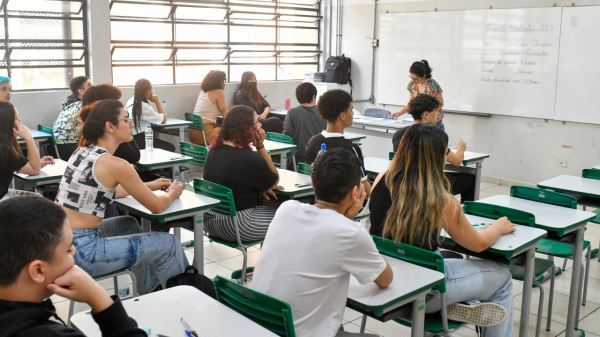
{"x": 561, "y": 163}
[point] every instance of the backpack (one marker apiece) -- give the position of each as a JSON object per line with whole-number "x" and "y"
{"x": 194, "y": 279}
{"x": 338, "y": 70}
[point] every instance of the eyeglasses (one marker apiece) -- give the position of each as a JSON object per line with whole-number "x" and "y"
{"x": 126, "y": 120}
{"x": 414, "y": 79}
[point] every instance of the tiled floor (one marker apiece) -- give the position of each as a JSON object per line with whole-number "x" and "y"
{"x": 221, "y": 260}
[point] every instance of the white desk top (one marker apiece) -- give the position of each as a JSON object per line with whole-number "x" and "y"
{"x": 49, "y": 172}
{"x": 409, "y": 280}
{"x": 382, "y": 122}
{"x": 289, "y": 179}
{"x": 36, "y": 135}
{"x": 272, "y": 146}
{"x": 161, "y": 311}
{"x": 175, "y": 122}
{"x": 473, "y": 156}
{"x": 354, "y": 136}
{"x": 577, "y": 185}
{"x": 376, "y": 165}
{"x": 549, "y": 217}
{"x": 188, "y": 202}
{"x": 161, "y": 157}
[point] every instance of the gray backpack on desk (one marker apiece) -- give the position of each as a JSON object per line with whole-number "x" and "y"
{"x": 338, "y": 70}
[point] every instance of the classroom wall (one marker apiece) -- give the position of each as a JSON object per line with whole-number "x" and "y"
{"x": 521, "y": 149}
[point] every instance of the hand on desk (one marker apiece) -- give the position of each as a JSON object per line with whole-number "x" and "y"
{"x": 175, "y": 189}
{"x": 47, "y": 160}
{"x": 158, "y": 184}
{"x": 504, "y": 225}
{"x": 271, "y": 192}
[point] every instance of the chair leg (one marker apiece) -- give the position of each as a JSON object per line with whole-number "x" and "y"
{"x": 579, "y": 297}
{"x": 587, "y": 273}
{"x": 204, "y": 137}
{"x": 363, "y": 324}
{"x": 244, "y": 266}
{"x": 134, "y": 292}
{"x": 71, "y": 308}
{"x": 550, "y": 297}
{"x": 540, "y": 309}
{"x": 565, "y": 264}
{"x": 296, "y": 169}
{"x": 443, "y": 312}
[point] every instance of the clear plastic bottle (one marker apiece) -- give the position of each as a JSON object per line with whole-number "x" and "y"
{"x": 323, "y": 149}
{"x": 124, "y": 290}
{"x": 164, "y": 106}
{"x": 149, "y": 139}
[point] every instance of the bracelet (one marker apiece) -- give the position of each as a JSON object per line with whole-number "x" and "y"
{"x": 258, "y": 148}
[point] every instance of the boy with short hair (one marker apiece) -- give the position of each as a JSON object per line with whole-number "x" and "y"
{"x": 335, "y": 106}
{"x": 303, "y": 122}
{"x": 37, "y": 261}
{"x": 425, "y": 110}
{"x": 310, "y": 251}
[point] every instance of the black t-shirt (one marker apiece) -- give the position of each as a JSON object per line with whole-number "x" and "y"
{"x": 379, "y": 205}
{"x": 6, "y": 177}
{"x": 242, "y": 98}
{"x": 332, "y": 140}
{"x": 245, "y": 172}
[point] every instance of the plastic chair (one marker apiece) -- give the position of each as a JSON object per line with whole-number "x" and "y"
{"x": 593, "y": 174}
{"x": 542, "y": 266}
{"x": 114, "y": 276}
{"x": 304, "y": 168}
{"x": 197, "y": 124}
{"x": 264, "y": 310}
{"x": 48, "y": 130}
{"x": 197, "y": 152}
{"x": 227, "y": 206}
{"x": 392, "y": 154}
{"x": 379, "y": 113}
{"x": 435, "y": 323}
{"x": 277, "y": 137}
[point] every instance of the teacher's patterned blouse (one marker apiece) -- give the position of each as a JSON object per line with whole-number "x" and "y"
{"x": 432, "y": 88}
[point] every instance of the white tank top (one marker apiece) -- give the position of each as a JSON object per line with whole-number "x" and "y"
{"x": 79, "y": 188}
{"x": 205, "y": 108}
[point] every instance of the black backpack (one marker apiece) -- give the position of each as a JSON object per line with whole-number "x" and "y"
{"x": 338, "y": 70}
{"x": 194, "y": 279}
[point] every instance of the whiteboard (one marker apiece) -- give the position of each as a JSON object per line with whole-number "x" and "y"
{"x": 579, "y": 71}
{"x": 493, "y": 61}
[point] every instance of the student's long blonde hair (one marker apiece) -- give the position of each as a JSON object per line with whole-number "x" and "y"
{"x": 418, "y": 187}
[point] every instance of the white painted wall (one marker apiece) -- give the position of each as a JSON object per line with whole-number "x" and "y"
{"x": 521, "y": 149}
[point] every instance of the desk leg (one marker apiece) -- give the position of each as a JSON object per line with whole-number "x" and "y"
{"x": 478, "y": 166}
{"x": 527, "y": 284}
{"x": 283, "y": 161}
{"x": 176, "y": 172}
{"x": 181, "y": 136}
{"x": 146, "y": 225}
{"x": 575, "y": 284}
{"x": 199, "y": 242}
{"x": 417, "y": 318}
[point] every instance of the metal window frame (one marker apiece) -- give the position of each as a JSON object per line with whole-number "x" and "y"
{"x": 313, "y": 15}
{"x": 8, "y": 44}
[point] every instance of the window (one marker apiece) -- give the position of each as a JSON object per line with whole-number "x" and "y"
{"x": 43, "y": 42}
{"x": 179, "y": 41}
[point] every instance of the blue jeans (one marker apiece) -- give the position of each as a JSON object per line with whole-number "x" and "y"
{"x": 476, "y": 280}
{"x": 152, "y": 257}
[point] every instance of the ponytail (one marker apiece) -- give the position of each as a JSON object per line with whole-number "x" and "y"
{"x": 421, "y": 69}
{"x": 96, "y": 116}
{"x": 139, "y": 95}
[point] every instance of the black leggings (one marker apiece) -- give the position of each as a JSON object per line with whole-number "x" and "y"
{"x": 140, "y": 139}
{"x": 463, "y": 184}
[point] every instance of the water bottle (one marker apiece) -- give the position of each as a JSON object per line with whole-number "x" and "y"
{"x": 164, "y": 106}
{"x": 123, "y": 290}
{"x": 149, "y": 139}
{"x": 323, "y": 148}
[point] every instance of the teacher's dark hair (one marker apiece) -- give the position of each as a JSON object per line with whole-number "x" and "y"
{"x": 334, "y": 174}
{"x": 421, "y": 104}
{"x": 421, "y": 69}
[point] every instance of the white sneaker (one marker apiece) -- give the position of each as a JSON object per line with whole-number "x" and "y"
{"x": 482, "y": 314}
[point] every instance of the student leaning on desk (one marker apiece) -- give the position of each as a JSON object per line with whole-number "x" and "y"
{"x": 411, "y": 203}
{"x": 11, "y": 157}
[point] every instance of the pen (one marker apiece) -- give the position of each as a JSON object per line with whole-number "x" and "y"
{"x": 175, "y": 158}
{"x": 188, "y": 329}
{"x": 303, "y": 185}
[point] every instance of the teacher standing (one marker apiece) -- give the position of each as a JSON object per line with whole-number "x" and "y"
{"x": 421, "y": 83}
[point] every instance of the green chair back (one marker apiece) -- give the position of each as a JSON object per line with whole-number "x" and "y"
{"x": 545, "y": 196}
{"x": 46, "y": 129}
{"x": 304, "y": 168}
{"x": 496, "y": 212}
{"x": 196, "y": 120}
{"x": 222, "y": 193}
{"x": 392, "y": 154}
{"x": 277, "y": 137}
{"x": 198, "y": 152}
{"x": 412, "y": 254}
{"x": 266, "y": 311}
{"x": 591, "y": 174}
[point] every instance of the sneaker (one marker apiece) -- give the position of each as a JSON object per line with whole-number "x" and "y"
{"x": 482, "y": 314}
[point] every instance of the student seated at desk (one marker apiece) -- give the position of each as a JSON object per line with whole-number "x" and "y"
{"x": 249, "y": 95}
{"x": 66, "y": 127}
{"x": 311, "y": 250}
{"x": 11, "y": 157}
{"x": 232, "y": 163}
{"x": 335, "y": 106}
{"x": 425, "y": 110}
{"x": 5, "y": 89}
{"x": 210, "y": 104}
{"x": 128, "y": 150}
{"x": 303, "y": 122}
{"x": 37, "y": 261}
{"x": 92, "y": 180}
{"x": 143, "y": 114}
{"x": 411, "y": 203}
